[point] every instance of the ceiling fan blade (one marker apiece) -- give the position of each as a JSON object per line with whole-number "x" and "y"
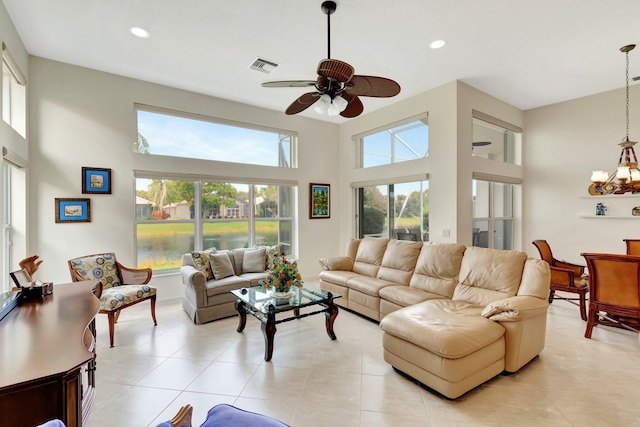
{"x": 302, "y": 103}
{"x": 378, "y": 87}
{"x": 354, "y": 108}
{"x": 290, "y": 83}
{"x": 335, "y": 70}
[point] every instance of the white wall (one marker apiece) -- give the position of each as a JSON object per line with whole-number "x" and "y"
{"x": 81, "y": 117}
{"x": 563, "y": 143}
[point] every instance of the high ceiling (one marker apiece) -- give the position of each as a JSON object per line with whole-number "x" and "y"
{"x": 526, "y": 53}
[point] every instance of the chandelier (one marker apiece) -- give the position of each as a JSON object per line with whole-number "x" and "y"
{"x": 627, "y": 177}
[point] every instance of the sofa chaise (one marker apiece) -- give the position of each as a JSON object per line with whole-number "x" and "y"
{"x": 452, "y": 317}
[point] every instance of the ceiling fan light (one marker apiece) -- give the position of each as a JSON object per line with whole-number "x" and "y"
{"x": 340, "y": 103}
{"x": 322, "y": 104}
{"x": 333, "y": 110}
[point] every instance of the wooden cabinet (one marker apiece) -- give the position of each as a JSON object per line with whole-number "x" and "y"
{"x": 45, "y": 348}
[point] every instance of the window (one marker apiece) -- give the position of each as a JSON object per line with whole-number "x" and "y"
{"x": 397, "y": 211}
{"x": 14, "y": 218}
{"x": 493, "y": 214}
{"x": 179, "y": 136}
{"x": 230, "y": 215}
{"x": 495, "y": 140}
{"x": 407, "y": 141}
{"x": 14, "y": 94}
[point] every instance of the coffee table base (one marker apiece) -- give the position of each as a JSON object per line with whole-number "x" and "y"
{"x": 269, "y": 322}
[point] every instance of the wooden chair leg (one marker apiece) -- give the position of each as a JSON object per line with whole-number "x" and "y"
{"x": 153, "y": 309}
{"x": 552, "y": 294}
{"x": 591, "y": 320}
{"x": 583, "y": 305}
{"x": 117, "y": 315}
{"x": 112, "y": 324}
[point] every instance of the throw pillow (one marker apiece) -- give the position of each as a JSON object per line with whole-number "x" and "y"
{"x": 201, "y": 262}
{"x": 254, "y": 261}
{"x": 271, "y": 250}
{"x": 221, "y": 265}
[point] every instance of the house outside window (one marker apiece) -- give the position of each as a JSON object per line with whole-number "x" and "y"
{"x": 396, "y": 143}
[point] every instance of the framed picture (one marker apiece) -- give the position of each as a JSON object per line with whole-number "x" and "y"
{"x": 21, "y": 278}
{"x": 319, "y": 197}
{"x": 96, "y": 181}
{"x": 73, "y": 210}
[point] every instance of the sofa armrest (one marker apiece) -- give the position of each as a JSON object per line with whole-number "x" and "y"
{"x": 342, "y": 263}
{"x": 515, "y": 308}
{"x": 192, "y": 277}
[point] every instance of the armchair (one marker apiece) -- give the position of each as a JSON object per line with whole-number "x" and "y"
{"x": 614, "y": 299}
{"x": 565, "y": 277}
{"x": 121, "y": 286}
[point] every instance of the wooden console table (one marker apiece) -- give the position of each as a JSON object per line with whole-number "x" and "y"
{"x": 44, "y": 346}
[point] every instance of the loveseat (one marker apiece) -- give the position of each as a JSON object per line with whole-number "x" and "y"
{"x": 209, "y": 276}
{"x": 452, "y": 317}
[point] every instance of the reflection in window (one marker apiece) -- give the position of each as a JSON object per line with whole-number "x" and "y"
{"x": 404, "y": 142}
{"x": 397, "y": 211}
{"x": 492, "y": 214}
{"x": 495, "y": 142}
{"x": 230, "y": 215}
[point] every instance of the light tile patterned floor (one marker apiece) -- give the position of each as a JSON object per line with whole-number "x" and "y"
{"x": 313, "y": 381}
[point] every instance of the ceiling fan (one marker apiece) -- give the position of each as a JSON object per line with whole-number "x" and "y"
{"x": 337, "y": 87}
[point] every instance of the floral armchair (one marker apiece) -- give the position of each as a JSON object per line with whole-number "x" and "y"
{"x": 120, "y": 286}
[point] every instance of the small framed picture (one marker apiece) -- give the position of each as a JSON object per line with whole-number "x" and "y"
{"x": 21, "y": 278}
{"x": 320, "y": 201}
{"x": 96, "y": 181}
{"x": 73, "y": 210}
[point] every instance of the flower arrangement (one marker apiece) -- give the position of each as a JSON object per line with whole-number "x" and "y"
{"x": 282, "y": 276}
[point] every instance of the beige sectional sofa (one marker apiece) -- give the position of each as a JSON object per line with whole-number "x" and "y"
{"x": 452, "y": 317}
{"x": 209, "y": 276}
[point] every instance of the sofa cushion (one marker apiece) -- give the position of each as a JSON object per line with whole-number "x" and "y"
{"x": 369, "y": 256}
{"x": 368, "y": 285}
{"x": 405, "y": 295}
{"x": 398, "y": 261}
{"x": 437, "y": 268}
{"x": 339, "y": 277}
{"x": 221, "y": 265}
{"x": 450, "y": 329}
{"x": 201, "y": 263}
{"x": 270, "y": 253}
{"x": 487, "y": 275}
{"x": 226, "y": 285}
{"x": 254, "y": 261}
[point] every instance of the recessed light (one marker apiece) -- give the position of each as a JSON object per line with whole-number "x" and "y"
{"x": 437, "y": 44}
{"x": 140, "y": 32}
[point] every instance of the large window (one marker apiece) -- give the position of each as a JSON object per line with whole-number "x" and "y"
{"x": 493, "y": 214}
{"x": 165, "y": 134}
{"x": 407, "y": 141}
{"x": 178, "y": 216}
{"x": 14, "y": 94}
{"x": 397, "y": 211}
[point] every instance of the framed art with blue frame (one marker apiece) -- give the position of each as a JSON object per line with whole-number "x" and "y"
{"x": 73, "y": 210}
{"x": 320, "y": 201}
{"x": 96, "y": 181}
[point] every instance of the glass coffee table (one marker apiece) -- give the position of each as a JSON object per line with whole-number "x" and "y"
{"x": 264, "y": 307}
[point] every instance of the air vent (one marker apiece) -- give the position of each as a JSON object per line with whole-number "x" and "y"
{"x": 263, "y": 66}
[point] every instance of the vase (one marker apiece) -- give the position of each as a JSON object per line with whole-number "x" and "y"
{"x": 282, "y": 298}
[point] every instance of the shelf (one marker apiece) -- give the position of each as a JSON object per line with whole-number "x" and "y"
{"x": 609, "y": 216}
{"x": 611, "y": 196}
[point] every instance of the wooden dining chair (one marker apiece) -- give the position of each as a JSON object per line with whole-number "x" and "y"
{"x": 633, "y": 246}
{"x": 565, "y": 277}
{"x": 614, "y": 296}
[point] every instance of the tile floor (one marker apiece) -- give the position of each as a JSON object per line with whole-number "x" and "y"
{"x": 313, "y": 381}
